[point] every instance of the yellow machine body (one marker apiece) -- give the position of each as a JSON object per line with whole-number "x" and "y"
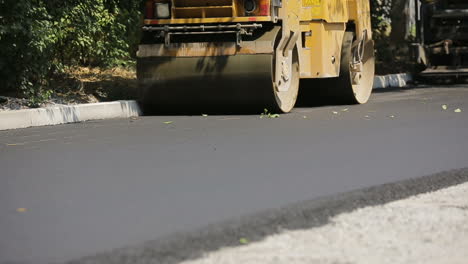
{"x": 314, "y": 29}
{"x": 321, "y": 24}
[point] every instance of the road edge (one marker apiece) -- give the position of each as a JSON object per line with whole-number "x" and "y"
{"x": 68, "y": 114}
{"x": 187, "y": 245}
{"x": 65, "y": 114}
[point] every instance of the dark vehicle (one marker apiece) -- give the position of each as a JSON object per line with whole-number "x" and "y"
{"x": 442, "y": 38}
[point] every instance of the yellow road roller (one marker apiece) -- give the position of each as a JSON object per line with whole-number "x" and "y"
{"x": 254, "y": 54}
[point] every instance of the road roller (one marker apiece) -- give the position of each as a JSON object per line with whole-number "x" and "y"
{"x": 441, "y": 46}
{"x": 254, "y": 54}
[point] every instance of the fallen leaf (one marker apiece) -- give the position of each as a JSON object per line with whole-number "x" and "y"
{"x": 168, "y": 122}
{"x": 392, "y": 116}
{"x": 268, "y": 114}
{"x": 21, "y": 210}
{"x": 46, "y": 140}
{"x": 243, "y": 241}
{"x": 458, "y": 110}
{"x": 16, "y": 144}
{"x": 231, "y": 118}
{"x": 345, "y": 110}
{"x": 335, "y": 113}
{"x": 444, "y": 107}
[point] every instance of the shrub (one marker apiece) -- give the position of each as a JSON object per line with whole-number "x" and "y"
{"x": 40, "y": 37}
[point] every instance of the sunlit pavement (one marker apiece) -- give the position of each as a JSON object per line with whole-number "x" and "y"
{"x": 72, "y": 191}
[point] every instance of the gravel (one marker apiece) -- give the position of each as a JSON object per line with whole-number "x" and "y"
{"x": 427, "y": 228}
{"x": 13, "y": 103}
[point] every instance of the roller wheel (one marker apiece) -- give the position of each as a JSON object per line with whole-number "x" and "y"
{"x": 364, "y": 80}
{"x": 351, "y": 87}
{"x": 219, "y": 84}
{"x": 284, "y": 101}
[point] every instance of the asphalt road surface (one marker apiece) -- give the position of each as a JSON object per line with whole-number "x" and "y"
{"x": 71, "y": 191}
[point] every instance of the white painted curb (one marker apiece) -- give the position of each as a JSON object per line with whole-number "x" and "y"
{"x": 67, "y": 114}
{"x": 120, "y": 109}
{"x": 392, "y": 80}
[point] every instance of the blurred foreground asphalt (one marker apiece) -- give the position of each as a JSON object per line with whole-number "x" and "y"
{"x": 72, "y": 191}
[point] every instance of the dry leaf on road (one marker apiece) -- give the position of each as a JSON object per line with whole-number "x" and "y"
{"x": 243, "y": 241}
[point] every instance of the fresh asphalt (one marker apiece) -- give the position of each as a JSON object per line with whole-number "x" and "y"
{"x": 76, "y": 192}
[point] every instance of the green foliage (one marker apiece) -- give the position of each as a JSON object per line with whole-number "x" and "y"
{"x": 38, "y": 38}
{"x": 391, "y": 56}
{"x": 380, "y": 17}
{"x": 25, "y": 35}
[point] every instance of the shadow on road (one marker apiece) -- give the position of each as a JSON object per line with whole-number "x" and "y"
{"x": 304, "y": 101}
{"x": 426, "y": 85}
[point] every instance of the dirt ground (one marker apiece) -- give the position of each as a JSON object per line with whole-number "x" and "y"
{"x": 81, "y": 85}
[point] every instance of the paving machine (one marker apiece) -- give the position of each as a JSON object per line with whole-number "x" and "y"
{"x": 254, "y": 54}
{"x": 442, "y": 38}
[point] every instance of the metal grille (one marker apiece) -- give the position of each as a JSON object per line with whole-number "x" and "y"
{"x": 202, "y": 8}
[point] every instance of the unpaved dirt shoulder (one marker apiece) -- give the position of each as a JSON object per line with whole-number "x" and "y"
{"x": 427, "y": 228}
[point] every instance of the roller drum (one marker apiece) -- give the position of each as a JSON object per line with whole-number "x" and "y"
{"x": 239, "y": 83}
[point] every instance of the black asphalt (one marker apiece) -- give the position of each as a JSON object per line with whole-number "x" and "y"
{"x": 92, "y": 187}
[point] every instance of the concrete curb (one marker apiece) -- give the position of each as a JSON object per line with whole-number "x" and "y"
{"x": 392, "y": 80}
{"x": 120, "y": 109}
{"x": 67, "y": 114}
